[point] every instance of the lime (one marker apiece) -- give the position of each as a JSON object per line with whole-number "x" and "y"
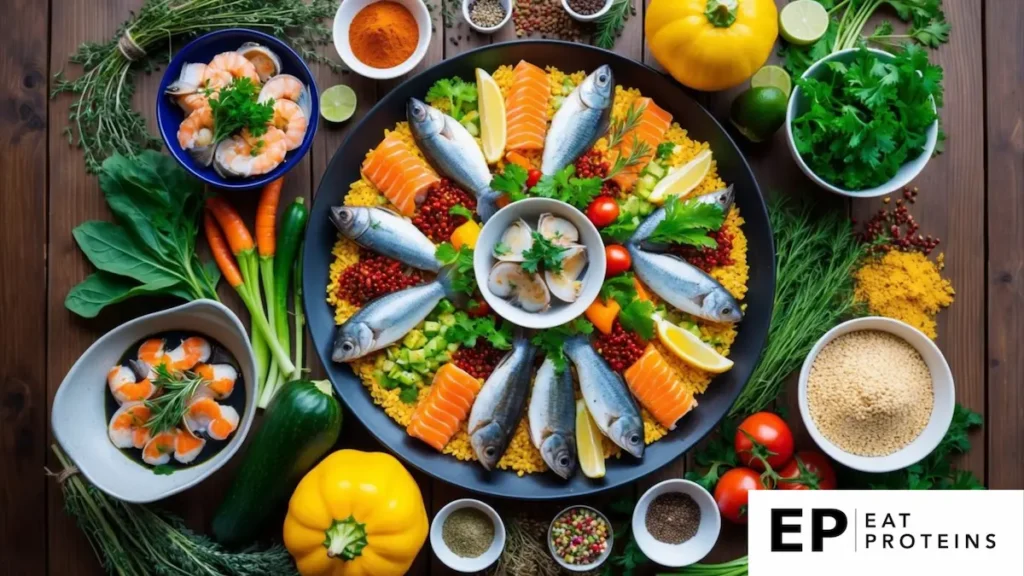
{"x": 759, "y": 112}
{"x": 803, "y": 22}
{"x": 337, "y": 103}
{"x": 772, "y": 75}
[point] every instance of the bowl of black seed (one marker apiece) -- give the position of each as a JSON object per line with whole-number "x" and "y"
{"x": 587, "y": 10}
{"x": 676, "y": 523}
{"x": 487, "y": 16}
{"x": 467, "y": 535}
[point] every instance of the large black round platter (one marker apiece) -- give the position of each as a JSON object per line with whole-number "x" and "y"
{"x": 344, "y": 169}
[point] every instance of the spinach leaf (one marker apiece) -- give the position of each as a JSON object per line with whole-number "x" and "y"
{"x": 101, "y": 289}
{"x": 110, "y": 249}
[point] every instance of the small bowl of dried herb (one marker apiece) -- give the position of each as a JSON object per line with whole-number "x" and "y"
{"x": 487, "y": 16}
{"x": 467, "y": 535}
{"x": 676, "y": 523}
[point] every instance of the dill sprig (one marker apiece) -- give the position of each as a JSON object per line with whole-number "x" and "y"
{"x": 167, "y": 410}
{"x": 609, "y": 26}
{"x": 102, "y": 121}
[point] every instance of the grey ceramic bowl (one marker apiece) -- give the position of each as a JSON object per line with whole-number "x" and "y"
{"x": 79, "y": 416}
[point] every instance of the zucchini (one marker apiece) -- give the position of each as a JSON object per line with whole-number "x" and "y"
{"x": 301, "y": 424}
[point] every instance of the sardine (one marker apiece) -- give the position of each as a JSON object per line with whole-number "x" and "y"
{"x": 553, "y": 418}
{"x": 723, "y": 198}
{"x": 583, "y": 118}
{"x": 453, "y": 152}
{"x": 387, "y": 319}
{"x": 685, "y": 286}
{"x": 499, "y": 406}
{"x": 607, "y": 397}
{"x": 386, "y": 233}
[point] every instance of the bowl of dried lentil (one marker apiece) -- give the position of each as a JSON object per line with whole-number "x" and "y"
{"x": 587, "y": 10}
{"x": 876, "y": 394}
{"x": 487, "y": 16}
{"x": 676, "y": 523}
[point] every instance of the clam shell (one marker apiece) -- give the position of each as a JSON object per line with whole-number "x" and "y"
{"x": 558, "y": 230}
{"x": 566, "y": 284}
{"x": 517, "y": 238}
{"x": 528, "y": 291}
{"x": 267, "y": 63}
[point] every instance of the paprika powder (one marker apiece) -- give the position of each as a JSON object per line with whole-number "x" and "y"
{"x": 383, "y": 35}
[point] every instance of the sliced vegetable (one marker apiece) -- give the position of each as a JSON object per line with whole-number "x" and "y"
{"x": 466, "y": 235}
{"x": 602, "y": 314}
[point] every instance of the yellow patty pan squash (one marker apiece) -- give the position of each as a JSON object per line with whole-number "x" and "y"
{"x": 711, "y": 44}
{"x": 355, "y": 514}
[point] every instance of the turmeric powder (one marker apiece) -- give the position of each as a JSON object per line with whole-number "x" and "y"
{"x": 906, "y": 286}
{"x": 383, "y": 35}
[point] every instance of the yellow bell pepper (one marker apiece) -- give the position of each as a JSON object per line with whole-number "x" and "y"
{"x": 355, "y": 514}
{"x": 711, "y": 44}
{"x": 466, "y": 235}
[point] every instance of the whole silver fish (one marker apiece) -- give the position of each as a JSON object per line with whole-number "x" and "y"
{"x": 685, "y": 286}
{"x": 499, "y": 406}
{"x": 582, "y": 119}
{"x": 552, "y": 417}
{"x": 387, "y": 319}
{"x": 723, "y": 198}
{"x": 386, "y": 233}
{"x": 453, "y": 151}
{"x": 607, "y": 397}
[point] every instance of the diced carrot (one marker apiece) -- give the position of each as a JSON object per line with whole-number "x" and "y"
{"x": 641, "y": 290}
{"x": 603, "y": 314}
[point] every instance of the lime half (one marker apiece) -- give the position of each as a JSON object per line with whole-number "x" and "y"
{"x": 803, "y": 22}
{"x": 772, "y": 75}
{"x": 337, "y": 103}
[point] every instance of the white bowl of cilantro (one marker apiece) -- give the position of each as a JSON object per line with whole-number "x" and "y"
{"x": 863, "y": 122}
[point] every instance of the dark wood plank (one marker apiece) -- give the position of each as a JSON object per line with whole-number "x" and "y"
{"x": 23, "y": 134}
{"x": 1004, "y": 87}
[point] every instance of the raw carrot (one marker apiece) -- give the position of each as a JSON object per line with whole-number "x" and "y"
{"x": 221, "y": 254}
{"x": 266, "y": 217}
{"x": 234, "y": 228}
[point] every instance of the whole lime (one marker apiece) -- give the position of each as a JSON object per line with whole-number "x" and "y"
{"x": 758, "y": 112}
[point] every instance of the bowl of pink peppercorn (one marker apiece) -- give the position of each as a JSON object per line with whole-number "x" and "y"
{"x": 580, "y": 538}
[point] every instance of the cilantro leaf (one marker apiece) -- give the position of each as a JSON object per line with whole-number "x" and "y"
{"x": 460, "y": 263}
{"x": 543, "y": 253}
{"x": 637, "y": 317}
{"x": 460, "y": 210}
{"x": 511, "y": 181}
{"x": 454, "y": 96}
{"x": 550, "y": 341}
{"x": 665, "y": 150}
{"x": 564, "y": 186}
{"x": 687, "y": 222}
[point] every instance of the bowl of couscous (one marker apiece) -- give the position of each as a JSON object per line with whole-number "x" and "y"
{"x": 876, "y": 394}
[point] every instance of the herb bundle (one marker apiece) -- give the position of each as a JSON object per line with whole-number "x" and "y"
{"x": 101, "y": 115}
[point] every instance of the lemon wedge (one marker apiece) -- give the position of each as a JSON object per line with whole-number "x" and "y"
{"x": 589, "y": 447}
{"x": 493, "y": 131}
{"x": 682, "y": 180}
{"x": 690, "y": 349}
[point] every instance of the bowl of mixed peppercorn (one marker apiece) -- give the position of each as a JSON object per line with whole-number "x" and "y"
{"x": 580, "y": 538}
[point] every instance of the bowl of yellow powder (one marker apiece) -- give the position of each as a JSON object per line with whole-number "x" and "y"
{"x": 876, "y": 394}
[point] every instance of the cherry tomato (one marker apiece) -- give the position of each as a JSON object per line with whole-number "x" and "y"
{"x": 816, "y": 464}
{"x": 732, "y": 493}
{"x": 773, "y": 436}
{"x": 532, "y": 177}
{"x": 618, "y": 260}
{"x": 480, "y": 309}
{"x": 603, "y": 211}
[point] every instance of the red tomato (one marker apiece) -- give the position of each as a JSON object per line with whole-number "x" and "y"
{"x": 532, "y": 177}
{"x": 618, "y": 260}
{"x": 480, "y": 309}
{"x": 773, "y": 436}
{"x": 816, "y": 464}
{"x": 732, "y": 493}
{"x": 603, "y": 211}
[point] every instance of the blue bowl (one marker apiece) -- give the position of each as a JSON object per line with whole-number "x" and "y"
{"x": 203, "y": 49}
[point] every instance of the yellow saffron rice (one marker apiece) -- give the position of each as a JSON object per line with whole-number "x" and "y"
{"x": 521, "y": 456}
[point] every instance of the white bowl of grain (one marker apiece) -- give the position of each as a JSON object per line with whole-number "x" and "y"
{"x": 876, "y": 394}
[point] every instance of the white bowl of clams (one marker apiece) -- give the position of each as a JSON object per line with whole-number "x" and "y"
{"x": 526, "y": 288}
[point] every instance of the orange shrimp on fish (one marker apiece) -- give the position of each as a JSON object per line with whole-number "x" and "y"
{"x": 219, "y": 379}
{"x": 126, "y": 386}
{"x": 127, "y": 428}
{"x": 190, "y": 352}
{"x": 160, "y": 448}
{"x": 206, "y": 416}
{"x": 187, "y": 446}
{"x": 400, "y": 175}
{"x": 658, "y": 388}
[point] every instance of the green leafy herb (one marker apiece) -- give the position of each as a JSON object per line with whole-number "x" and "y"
{"x": 610, "y": 26}
{"x": 564, "y": 186}
{"x": 621, "y": 288}
{"x": 163, "y": 469}
{"x": 453, "y": 95}
{"x": 466, "y": 331}
{"x": 543, "y": 253}
{"x": 409, "y": 394}
{"x": 619, "y": 128}
{"x": 460, "y": 210}
{"x": 637, "y": 317}
{"x": 151, "y": 248}
{"x": 688, "y": 222}
{"x": 511, "y": 181}
{"x": 665, "y": 150}
{"x": 501, "y": 249}
{"x": 639, "y": 152}
{"x": 868, "y": 118}
{"x": 622, "y": 229}
{"x": 550, "y": 341}
{"x": 235, "y": 107}
{"x": 460, "y": 263}
{"x": 167, "y": 410}
{"x": 716, "y": 457}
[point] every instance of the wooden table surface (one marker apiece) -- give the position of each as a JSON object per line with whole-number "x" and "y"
{"x": 972, "y": 197}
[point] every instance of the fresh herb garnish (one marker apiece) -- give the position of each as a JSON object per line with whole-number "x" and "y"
{"x": 687, "y": 222}
{"x": 467, "y": 331}
{"x": 511, "y": 181}
{"x": 550, "y": 341}
{"x": 621, "y": 288}
{"x": 163, "y": 469}
{"x": 637, "y": 317}
{"x": 869, "y": 117}
{"x": 619, "y": 128}
{"x": 453, "y": 95}
{"x": 460, "y": 210}
{"x": 622, "y": 229}
{"x": 544, "y": 253}
{"x": 611, "y": 24}
{"x": 665, "y": 150}
{"x": 235, "y": 107}
{"x": 638, "y": 154}
{"x": 461, "y": 262}
{"x": 566, "y": 187}
{"x": 167, "y": 410}
{"x": 409, "y": 394}
{"x": 501, "y": 249}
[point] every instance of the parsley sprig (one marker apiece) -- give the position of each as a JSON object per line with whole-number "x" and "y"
{"x": 635, "y": 315}
{"x": 550, "y": 341}
{"x": 461, "y": 262}
{"x": 454, "y": 95}
{"x": 544, "y": 253}
{"x": 688, "y": 222}
{"x": 235, "y": 107}
{"x": 467, "y": 331}
{"x": 511, "y": 181}
{"x": 565, "y": 186}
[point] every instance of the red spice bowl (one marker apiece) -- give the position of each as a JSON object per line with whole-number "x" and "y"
{"x": 347, "y": 12}
{"x": 576, "y": 532}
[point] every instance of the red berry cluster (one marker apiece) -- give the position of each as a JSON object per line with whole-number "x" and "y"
{"x": 898, "y": 227}
{"x": 621, "y": 348}
{"x": 480, "y": 360}
{"x": 374, "y": 276}
{"x": 708, "y": 258}
{"x": 593, "y": 165}
{"x": 433, "y": 218}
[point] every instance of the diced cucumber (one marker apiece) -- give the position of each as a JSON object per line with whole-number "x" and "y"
{"x": 430, "y": 328}
{"x": 447, "y": 319}
{"x": 443, "y": 357}
{"x": 408, "y": 378}
{"x": 655, "y": 169}
{"x": 472, "y": 128}
{"x": 394, "y": 372}
{"x": 430, "y": 348}
{"x": 453, "y": 348}
{"x": 392, "y": 353}
{"x": 387, "y": 365}
{"x": 417, "y": 357}
{"x": 645, "y": 185}
{"x": 444, "y": 306}
{"x": 421, "y": 368}
{"x": 412, "y": 339}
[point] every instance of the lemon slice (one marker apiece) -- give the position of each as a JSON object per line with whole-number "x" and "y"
{"x": 682, "y": 180}
{"x": 803, "y": 22}
{"x": 338, "y": 103}
{"x": 492, "y": 117}
{"x": 690, "y": 349}
{"x": 589, "y": 447}
{"x": 772, "y": 75}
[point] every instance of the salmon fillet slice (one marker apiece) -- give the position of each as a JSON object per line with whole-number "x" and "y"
{"x": 526, "y": 108}
{"x": 658, "y": 388}
{"x": 654, "y": 123}
{"x": 399, "y": 174}
{"x": 438, "y": 416}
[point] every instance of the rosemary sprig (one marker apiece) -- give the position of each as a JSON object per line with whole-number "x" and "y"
{"x": 609, "y": 26}
{"x": 168, "y": 409}
{"x": 619, "y": 128}
{"x": 639, "y": 153}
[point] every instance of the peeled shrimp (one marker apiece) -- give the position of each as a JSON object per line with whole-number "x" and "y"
{"x": 195, "y": 135}
{"x": 237, "y": 65}
{"x": 287, "y": 87}
{"x": 159, "y": 448}
{"x": 126, "y": 387}
{"x": 190, "y": 352}
{"x": 127, "y": 428}
{"x": 206, "y": 416}
{"x": 290, "y": 118}
{"x": 247, "y": 155}
{"x": 187, "y": 446}
{"x": 219, "y": 379}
